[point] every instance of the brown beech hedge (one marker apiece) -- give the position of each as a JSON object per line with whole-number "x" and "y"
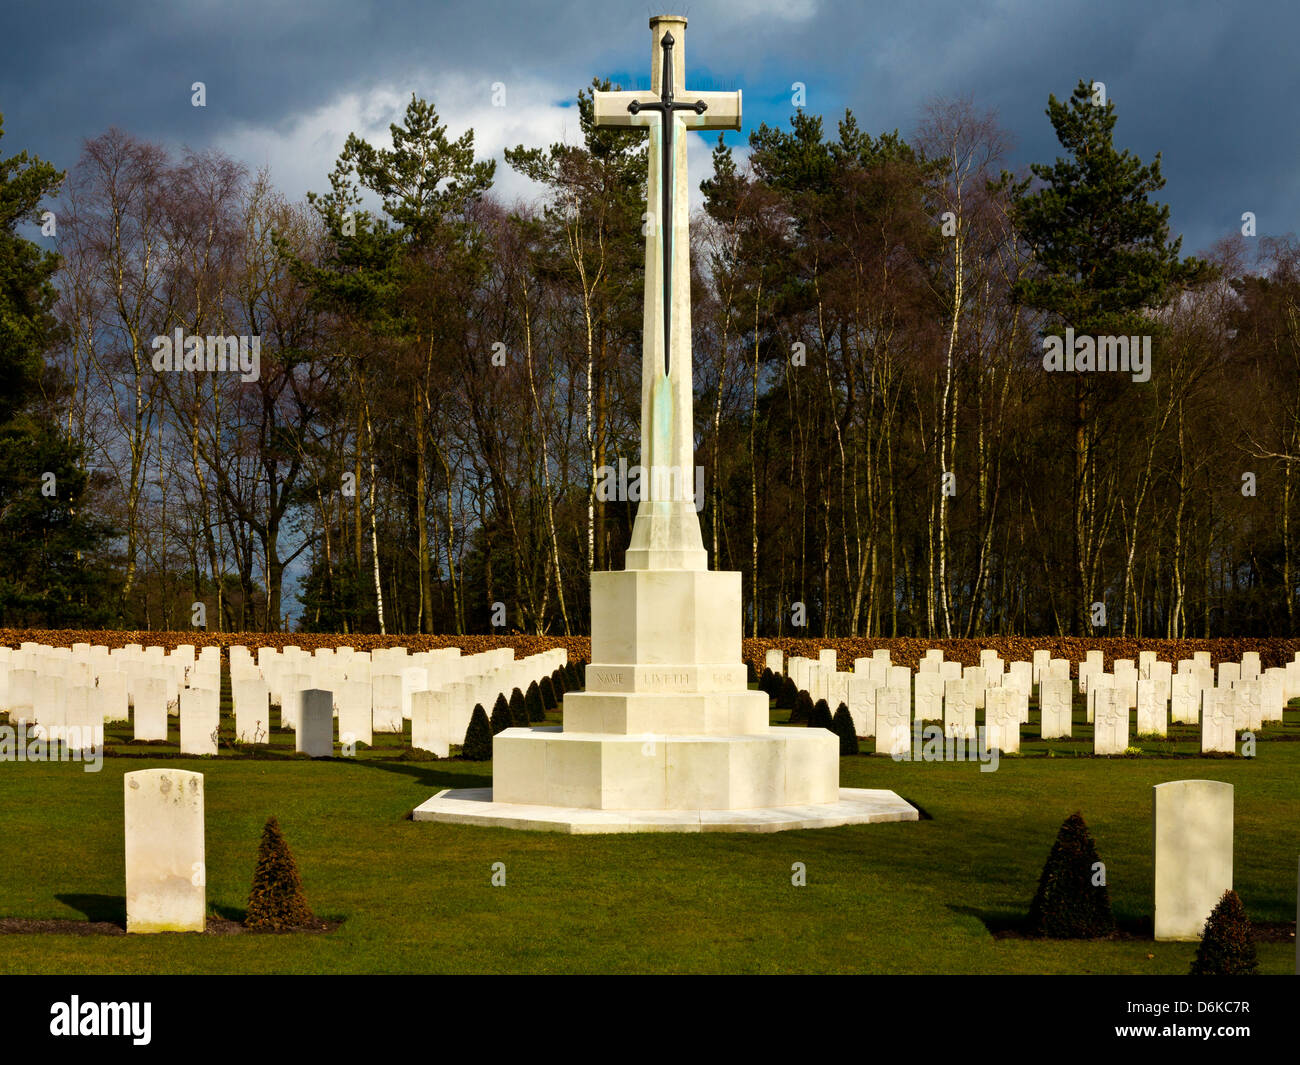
{"x": 1273, "y": 651}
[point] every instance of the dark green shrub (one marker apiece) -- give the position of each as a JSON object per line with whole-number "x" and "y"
{"x": 787, "y": 694}
{"x": 767, "y": 683}
{"x": 802, "y": 709}
{"x": 557, "y": 681}
{"x": 276, "y": 902}
{"x": 1073, "y": 901}
{"x": 501, "y": 715}
{"x": 1228, "y": 943}
{"x": 478, "y": 737}
{"x": 548, "y": 694}
{"x": 842, "y": 722}
{"x": 750, "y": 675}
{"x": 518, "y": 712}
{"x": 821, "y": 715}
{"x": 533, "y": 701}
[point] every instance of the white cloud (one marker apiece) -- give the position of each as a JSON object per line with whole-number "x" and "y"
{"x": 300, "y": 152}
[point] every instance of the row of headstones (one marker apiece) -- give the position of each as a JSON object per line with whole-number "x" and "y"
{"x": 70, "y": 693}
{"x": 379, "y": 691}
{"x": 881, "y": 697}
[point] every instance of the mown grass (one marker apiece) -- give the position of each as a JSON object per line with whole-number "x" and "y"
{"x": 418, "y": 897}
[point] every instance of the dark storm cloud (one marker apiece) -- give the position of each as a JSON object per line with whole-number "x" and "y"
{"x": 1209, "y": 84}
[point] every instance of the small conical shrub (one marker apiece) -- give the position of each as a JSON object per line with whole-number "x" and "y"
{"x": 802, "y": 709}
{"x": 767, "y": 683}
{"x": 821, "y": 715}
{"x": 582, "y": 675}
{"x": 1073, "y": 901}
{"x": 557, "y": 680}
{"x": 533, "y": 702}
{"x": 570, "y": 677}
{"x": 787, "y": 694}
{"x": 518, "y": 712}
{"x": 1228, "y": 943}
{"x": 548, "y": 694}
{"x": 478, "y": 737}
{"x": 751, "y": 677}
{"x": 500, "y": 715}
{"x": 842, "y": 722}
{"x": 276, "y": 901}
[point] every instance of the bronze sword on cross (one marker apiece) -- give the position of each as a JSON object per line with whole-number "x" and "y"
{"x": 665, "y": 107}
{"x": 702, "y": 111}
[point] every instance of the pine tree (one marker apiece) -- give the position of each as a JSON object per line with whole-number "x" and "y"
{"x": 518, "y": 712}
{"x": 1073, "y": 901}
{"x": 478, "y": 737}
{"x": 1228, "y": 944}
{"x": 843, "y": 725}
{"x": 276, "y": 901}
{"x": 501, "y": 718}
{"x": 1101, "y": 260}
{"x": 533, "y": 702}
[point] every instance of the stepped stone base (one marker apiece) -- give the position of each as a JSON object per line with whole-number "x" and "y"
{"x": 852, "y": 806}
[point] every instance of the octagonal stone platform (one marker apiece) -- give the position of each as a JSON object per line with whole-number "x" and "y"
{"x": 852, "y": 806}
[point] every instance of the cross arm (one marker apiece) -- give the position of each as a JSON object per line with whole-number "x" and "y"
{"x": 722, "y": 109}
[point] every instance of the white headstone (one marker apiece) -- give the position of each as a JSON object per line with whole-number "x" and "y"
{"x": 929, "y": 696}
{"x": 1054, "y": 695}
{"x": 1151, "y": 711}
{"x": 862, "y": 704}
{"x": 386, "y": 698}
{"x": 200, "y": 720}
{"x": 165, "y": 872}
{"x": 1185, "y": 706}
{"x": 893, "y": 721}
{"x": 150, "y": 713}
{"x": 252, "y": 707}
{"x": 355, "y": 724}
{"x": 315, "y": 733}
{"x": 1193, "y": 854}
{"x": 775, "y": 661}
{"x": 1218, "y": 725}
{"x": 431, "y": 722}
{"x": 959, "y": 709}
{"x": 1110, "y": 722}
{"x": 1001, "y": 721}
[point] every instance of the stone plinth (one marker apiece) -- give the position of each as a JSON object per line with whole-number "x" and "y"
{"x": 584, "y": 770}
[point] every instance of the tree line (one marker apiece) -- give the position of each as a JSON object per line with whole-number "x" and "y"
{"x": 444, "y": 380}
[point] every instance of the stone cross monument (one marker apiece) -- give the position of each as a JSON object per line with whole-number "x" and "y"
{"x": 667, "y": 734}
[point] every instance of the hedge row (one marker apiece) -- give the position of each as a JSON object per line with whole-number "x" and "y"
{"x": 579, "y": 647}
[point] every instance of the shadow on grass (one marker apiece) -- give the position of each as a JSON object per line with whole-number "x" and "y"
{"x": 1014, "y": 924}
{"x": 442, "y": 773}
{"x": 109, "y": 909}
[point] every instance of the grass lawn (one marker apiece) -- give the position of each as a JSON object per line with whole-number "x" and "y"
{"x": 417, "y": 897}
